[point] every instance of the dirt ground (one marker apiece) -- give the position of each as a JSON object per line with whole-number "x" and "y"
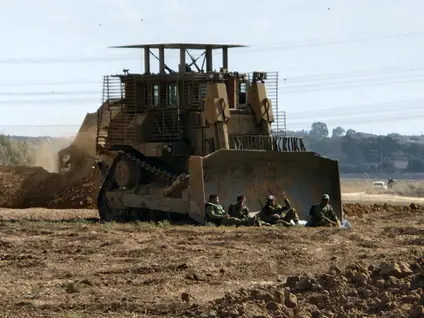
{"x": 64, "y": 263}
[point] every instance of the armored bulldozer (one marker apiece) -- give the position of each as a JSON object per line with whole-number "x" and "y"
{"x": 167, "y": 140}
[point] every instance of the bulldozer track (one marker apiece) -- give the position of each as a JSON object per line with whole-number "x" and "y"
{"x": 142, "y": 163}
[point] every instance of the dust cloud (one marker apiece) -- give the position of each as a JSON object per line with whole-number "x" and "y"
{"x": 46, "y": 153}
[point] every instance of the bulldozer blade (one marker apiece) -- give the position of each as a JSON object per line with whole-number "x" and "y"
{"x": 86, "y": 136}
{"x": 302, "y": 177}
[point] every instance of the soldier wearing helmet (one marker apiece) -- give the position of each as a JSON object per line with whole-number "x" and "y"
{"x": 322, "y": 214}
{"x": 274, "y": 213}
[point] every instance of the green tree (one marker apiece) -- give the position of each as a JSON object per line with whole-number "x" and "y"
{"x": 319, "y": 129}
{"x": 337, "y": 132}
{"x": 352, "y": 151}
{"x": 350, "y": 132}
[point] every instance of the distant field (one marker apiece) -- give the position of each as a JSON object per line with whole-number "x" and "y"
{"x": 383, "y": 176}
{"x": 409, "y": 188}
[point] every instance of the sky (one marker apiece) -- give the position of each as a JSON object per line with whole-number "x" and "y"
{"x": 350, "y": 63}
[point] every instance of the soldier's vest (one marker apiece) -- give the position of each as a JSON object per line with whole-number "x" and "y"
{"x": 232, "y": 209}
{"x": 315, "y": 217}
{"x": 272, "y": 209}
{"x": 215, "y": 208}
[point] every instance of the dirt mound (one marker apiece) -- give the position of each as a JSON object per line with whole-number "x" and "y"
{"x": 359, "y": 209}
{"x": 392, "y": 289}
{"x": 24, "y": 187}
{"x": 82, "y": 195}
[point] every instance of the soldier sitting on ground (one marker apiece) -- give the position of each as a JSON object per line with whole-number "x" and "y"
{"x": 239, "y": 210}
{"x": 215, "y": 214}
{"x": 322, "y": 214}
{"x": 274, "y": 213}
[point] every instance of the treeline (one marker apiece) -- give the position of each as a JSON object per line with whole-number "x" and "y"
{"x": 362, "y": 152}
{"x": 15, "y": 152}
{"x": 357, "y": 152}
{"x": 22, "y": 150}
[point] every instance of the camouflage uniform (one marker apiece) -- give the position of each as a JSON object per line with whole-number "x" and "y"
{"x": 286, "y": 213}
{"x": 215, "y": 214}
{"x": 321, "y": 210}
{"x": 238, "y": 211}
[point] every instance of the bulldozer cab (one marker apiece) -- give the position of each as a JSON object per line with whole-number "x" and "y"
{"x": 220, "y": 127}
{"x": 174, "y": 112}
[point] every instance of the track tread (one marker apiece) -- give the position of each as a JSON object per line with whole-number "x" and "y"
{"x": 155, "y": 166}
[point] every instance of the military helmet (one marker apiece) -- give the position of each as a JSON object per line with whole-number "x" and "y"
{"x": 325, "y": 197}
{"x": 270, "y": 197}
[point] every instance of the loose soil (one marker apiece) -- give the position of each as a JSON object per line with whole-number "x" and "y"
{"x": 64, "y": 263}
{"x": 25, "y": 187}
